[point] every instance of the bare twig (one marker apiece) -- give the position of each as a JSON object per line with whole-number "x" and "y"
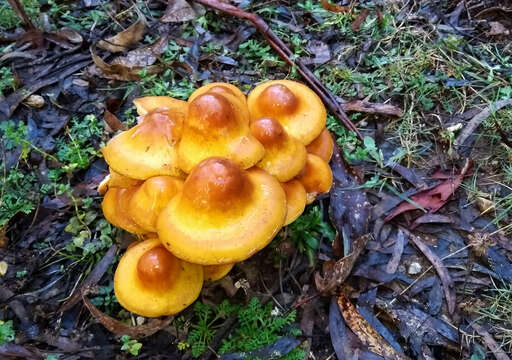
{"x": 284, "y": 52}
{"x": 20, "y": 11}
{"x": 490, "y": 342}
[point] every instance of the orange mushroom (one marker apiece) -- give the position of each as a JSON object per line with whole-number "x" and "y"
{"x": 216, "y": 272}
{"x": 150, "y": 281}
{"x": 322, "y": 146}
{"x": 115, "y": 207}
{"x": 219, "y": 87}
{"x": 285, "y": 156}
{"x": 149, "y": 148}
{"x": 295, "y": 200}
{"x": 218, "y": 125}
{"x": 223, "y": 214}
{"x": 150, "y": 198}
{"x": 316, "y": 177}
{"x": 148, "y": 104}
{"x": 293, "y": 104}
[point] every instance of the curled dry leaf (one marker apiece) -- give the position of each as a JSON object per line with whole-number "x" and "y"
{"x": 178, "y": 11}
{"x": 128, "y": 67}
{"x": 365, "y": 332}
{"x": 335, "y": 273}
{"x": 432, "y": 199}
{"x": 126, "y": 38}
{"x": 360, "y": 19}
{"x": 120, "y": 328}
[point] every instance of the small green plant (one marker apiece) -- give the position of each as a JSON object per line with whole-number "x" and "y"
{"x": 6, "y": 332}
{"x": 208, "y": 320}
{"x": 106, "y": 299}
{"x": 307, "y": 231}
{"x": 21, "y": 274}
{"x": 130, "y": 345}
{"x": 6, "y": 80}
{"x": 260, "y": 326}
{"x": 52, "y": 357}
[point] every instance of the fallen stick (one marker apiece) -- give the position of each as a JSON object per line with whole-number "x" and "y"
{"x": 284, "y": 52}
{"x": 477, "y": 120}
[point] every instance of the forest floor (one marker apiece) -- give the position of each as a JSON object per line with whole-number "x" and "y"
{"x": 423, "y": 268}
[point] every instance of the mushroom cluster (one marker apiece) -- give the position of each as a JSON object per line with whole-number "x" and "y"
{"x": 208, "y": 182}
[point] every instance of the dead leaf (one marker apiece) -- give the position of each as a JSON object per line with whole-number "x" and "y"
{"x": 126, "y": 38}
{"x": 128, "y": 67}
{"x": 335, "y": 273}
{"x": 432, "y": 199}
{"x": 178, "y": 11}
{"x": 120, "y": 328}
{"x": 335, "y": 8}
{"x": 360, "y": 19}
{"x": 113, "y": 121}
{"x": 368, "y": 336}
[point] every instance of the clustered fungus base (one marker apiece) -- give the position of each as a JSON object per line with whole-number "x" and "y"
{"x": 209, "y": 182}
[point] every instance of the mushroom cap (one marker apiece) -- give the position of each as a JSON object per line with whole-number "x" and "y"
{"x": 118, "y": 180}
{"x": 293, "y": 104}
{"x": 223, "y": 214}
{"x": 295, "y": 200}
{"x": 148, "y": 104}
{"x": 322, "y": 146}
{"x": 115, "y": 207}
{"x": 150, "y": 198}
{"x": 218, "y": 125}
{"x": 216, "y": 272}
{"x": 149, "y": 148}
{"x": 284, "y": 156}
{"x": 152, "y": 282}
{"x": 316, "y": 177}
{"x": 220, "y": 88}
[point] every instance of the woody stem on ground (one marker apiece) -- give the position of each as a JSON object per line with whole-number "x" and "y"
{"x": 284, "y": 51}
{"x": 22, "y": 14}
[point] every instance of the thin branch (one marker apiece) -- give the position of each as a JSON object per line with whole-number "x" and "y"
{"x": 282, "y": 49}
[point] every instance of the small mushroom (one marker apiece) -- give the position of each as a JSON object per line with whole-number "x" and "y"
{"x": 294, "y": 105}
{"x": 115, "y": 207}
{"x": 217, "y": 124}
{"x": 284, "y": 156}
{"x": 295, "y": 200}
{"x": 216, "y": 272}
{"x": 316, "y": 177}
{"x": 149, "y": 148}
{"x": 150, "y": 198}
{"x": 322, "y": 146}
{"x": 219, "y": 88}
{"x": 148, "y": 104}
{"x": 223, "y": 214}
{"x": 150, "y": 281}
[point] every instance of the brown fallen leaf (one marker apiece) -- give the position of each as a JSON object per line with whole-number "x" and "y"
{"x": 368, "y": 336}
{"x": 431, "y": 199}
{"x": 372, "y": 108}
{"x": 335, "y": 8}
{"x": 360, "y": 19}
{"x": 126, "y": 38}
{"x": 113, "y": 122}
{"x": 128, "y": 67}
{"x": 335, "y": 273}
{"x": 178, "y": 11}
{"x": 120, "y": 328}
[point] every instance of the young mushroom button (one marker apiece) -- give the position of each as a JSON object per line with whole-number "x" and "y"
{"x": 284, "y": 156}
{"x": 316, "y": 177}
{"x": 294, "y": 105}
